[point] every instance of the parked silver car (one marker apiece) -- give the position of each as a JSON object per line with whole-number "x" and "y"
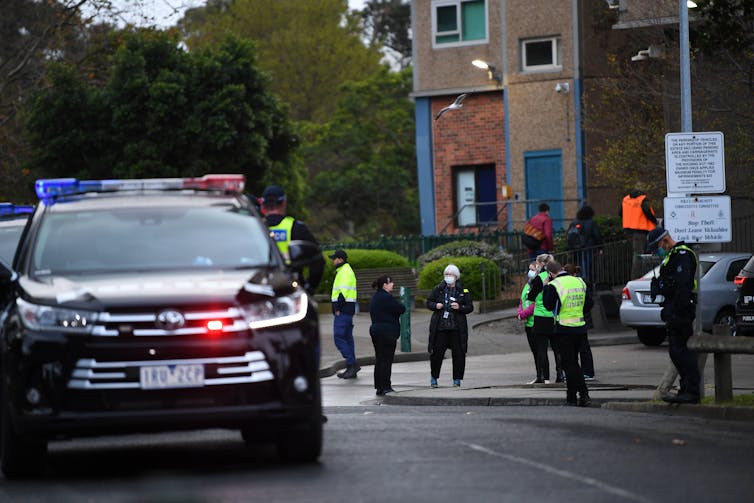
{"x": 718, "y": 296}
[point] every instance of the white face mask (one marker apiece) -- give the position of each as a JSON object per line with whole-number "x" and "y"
{"x": 532, "y": 274}
{"x": 450, "y": 279}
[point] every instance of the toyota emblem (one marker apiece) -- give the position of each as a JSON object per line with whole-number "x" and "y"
{"x": 170, "y": 319}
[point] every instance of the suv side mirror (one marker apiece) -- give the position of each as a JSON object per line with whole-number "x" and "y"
{"x": 303, "y": 253}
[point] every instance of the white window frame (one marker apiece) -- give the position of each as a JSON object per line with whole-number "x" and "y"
{"x": 460, "y": 43}
{"x": 555, "y": 66}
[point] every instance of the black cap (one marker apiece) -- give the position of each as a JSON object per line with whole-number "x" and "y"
{"x": 654, "y": 237}
{"x": 273, "y": 194}
{"x": 339, "y": 254}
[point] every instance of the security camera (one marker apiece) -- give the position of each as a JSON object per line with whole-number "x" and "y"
{"x": 562, "y": 87}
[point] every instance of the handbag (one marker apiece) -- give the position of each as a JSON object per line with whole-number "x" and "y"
{"x": 532, "y": 237}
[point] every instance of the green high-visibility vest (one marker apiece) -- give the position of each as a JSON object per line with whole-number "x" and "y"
{"x": 526, "y": 303}
{"x": 539, "y": 308}
{"x": 281, "y": 234}
{"x": 572, "y": 293}
{"x": 345, "y": 283}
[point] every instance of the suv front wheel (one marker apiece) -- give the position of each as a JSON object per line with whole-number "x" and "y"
{"x": 20, "y": 455}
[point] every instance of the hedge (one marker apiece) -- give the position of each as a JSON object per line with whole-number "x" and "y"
{"x": 360, "y": 259}
{"x": 471, "y": 275}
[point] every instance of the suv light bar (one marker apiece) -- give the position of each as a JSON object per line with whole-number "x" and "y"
{"x": 15, "y": 209}
{"x": 55, "y": 187}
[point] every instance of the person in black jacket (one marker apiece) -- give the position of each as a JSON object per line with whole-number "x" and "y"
{"x": 385, "y": 312}
{"x": 450, "y": 303}
{"x": 592, "y": 243}
{"x": 677, "y": 284}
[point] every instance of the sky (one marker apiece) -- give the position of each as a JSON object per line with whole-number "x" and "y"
{"x": 166, "y": 13}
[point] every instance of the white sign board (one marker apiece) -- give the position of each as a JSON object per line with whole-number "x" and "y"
{"x": 695, "y": 163}
{"x": 698, "y": 219}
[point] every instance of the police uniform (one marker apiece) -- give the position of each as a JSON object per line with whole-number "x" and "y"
{"x": 285, "y": 229}
{"x": 568, "y": 298}
{"x": 677, "y": 284}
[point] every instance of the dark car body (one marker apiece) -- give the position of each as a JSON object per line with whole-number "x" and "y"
{"x": 745, "y": 302}
{"x": 12, "y": 222}
{"x": 148, "y": 310}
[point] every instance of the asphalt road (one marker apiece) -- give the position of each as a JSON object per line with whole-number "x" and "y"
{"x": 432, "y": 454}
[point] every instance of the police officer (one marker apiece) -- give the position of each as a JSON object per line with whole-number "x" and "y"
{"x": 568, "y": 298}
{"x": 343, "y": 308}
{"x": 285, "y": 229}
{"x": 677, "y": 284}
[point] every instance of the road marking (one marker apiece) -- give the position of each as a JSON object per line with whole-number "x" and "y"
{"x": 562, "y": 473}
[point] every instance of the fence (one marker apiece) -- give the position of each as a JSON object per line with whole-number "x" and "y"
{"x": 611, "y": 268}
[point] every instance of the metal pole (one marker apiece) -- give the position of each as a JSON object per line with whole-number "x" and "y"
{"x": 406, "y": 320}
{"x": 686, "y": 127}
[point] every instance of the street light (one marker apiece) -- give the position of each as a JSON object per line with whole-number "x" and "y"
{"x": 492, "y": 74}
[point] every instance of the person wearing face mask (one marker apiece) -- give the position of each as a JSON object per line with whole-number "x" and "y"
{"x": 449, "y": 302}
{"x": 525, "y": 313}
{"x": 542, "y": 329}
{"x": 678, "y": 287}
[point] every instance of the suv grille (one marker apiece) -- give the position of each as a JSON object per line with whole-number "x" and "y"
{"x": 147, "y": 324}
{"x": 91, "y": 374}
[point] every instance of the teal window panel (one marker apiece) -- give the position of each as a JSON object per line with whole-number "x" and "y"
{"x": 473, "y": 19}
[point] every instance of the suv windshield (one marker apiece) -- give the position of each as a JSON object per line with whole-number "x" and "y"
{"x": 148, "y": 239}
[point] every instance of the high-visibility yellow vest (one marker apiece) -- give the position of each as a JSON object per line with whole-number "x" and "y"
{"x": 539, "y": 308}
{"x": 572, "y": 293}
{"x": 345, "y": 283}
{"x": 281, "y": 234}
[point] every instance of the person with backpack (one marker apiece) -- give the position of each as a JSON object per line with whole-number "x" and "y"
{"x": 537, "y": 236}
{"x": 583, "y": 239}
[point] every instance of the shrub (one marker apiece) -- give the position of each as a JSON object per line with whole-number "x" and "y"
{"x": 471, "y": 274}
{"x": 360, "y": 259}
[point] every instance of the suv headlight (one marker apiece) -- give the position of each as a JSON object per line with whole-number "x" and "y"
{"x": 277, "y": 311}
{"x": 39, "y": 317}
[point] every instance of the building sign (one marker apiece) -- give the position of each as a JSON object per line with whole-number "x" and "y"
{"x": 698, "y": 219}
{"x": 695, "y": 163}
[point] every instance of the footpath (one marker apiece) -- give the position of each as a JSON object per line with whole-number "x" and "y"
{"x": 499, "y": 365}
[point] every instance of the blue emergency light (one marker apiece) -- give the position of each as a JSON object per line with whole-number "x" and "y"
{"x": 7, "y": 209}
{"x": 55, "y": 187}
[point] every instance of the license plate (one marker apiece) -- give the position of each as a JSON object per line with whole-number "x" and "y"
{"x": 647, "y": 299}
{"x": 172, "y": 376}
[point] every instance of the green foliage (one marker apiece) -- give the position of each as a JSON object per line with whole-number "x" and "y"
{"x": 164, "y": 112}
{"x": 465, "y": 248}
{"x": 360, "y": 259}
{"x": 471, "y": 274}
{"x": 364, "y": 162}
{"x": 309, "y": 48}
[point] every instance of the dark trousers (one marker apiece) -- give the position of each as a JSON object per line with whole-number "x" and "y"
{"x": 384, "y": 351}
{"x": 568, "y": 346}
{"x": 685, "y": 360}
{"x": 585, "y": 357}
{"x": 343, "y": 337}
{"x": 541, "y": 361}
{"x": 532, "y": 346}
{"x": 443, "y": 341}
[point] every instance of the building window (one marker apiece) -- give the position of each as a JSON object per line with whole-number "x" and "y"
{"x": 459, "y": 22}
{"x": 540, "y": 55}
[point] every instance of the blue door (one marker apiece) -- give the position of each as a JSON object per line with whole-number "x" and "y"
{"x": 486, "y": 193}
{"x": 544, "y": 183}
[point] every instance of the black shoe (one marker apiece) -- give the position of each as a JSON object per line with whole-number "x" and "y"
{"x": 350, "y": 372}
{"x": 681, "y": 398}
{"x": 390, "y": 390}
{"x": 561, "y": 377}
{"x": 381, "y": 392}
{"x": 585, "y": 401}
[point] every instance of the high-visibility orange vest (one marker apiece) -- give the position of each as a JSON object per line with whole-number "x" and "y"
{"x": 633, "y": 215}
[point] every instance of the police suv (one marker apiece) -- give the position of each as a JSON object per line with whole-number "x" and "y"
{"x": 150, "y": 305}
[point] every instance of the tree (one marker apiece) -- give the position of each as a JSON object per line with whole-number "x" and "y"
{"x": 388, "y": 25}
{"x": 308, "y": 48}
{"x": 34, "y": 33}
{"x": 163, "y": 111}
{"x": 363, "y": 161}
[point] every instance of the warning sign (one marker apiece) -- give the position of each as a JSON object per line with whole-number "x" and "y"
{"x": 695, "y": 163}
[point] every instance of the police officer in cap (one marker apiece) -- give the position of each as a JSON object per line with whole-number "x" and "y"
{"x": 285, "y": 229}
{"x": 677, "y": 285}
